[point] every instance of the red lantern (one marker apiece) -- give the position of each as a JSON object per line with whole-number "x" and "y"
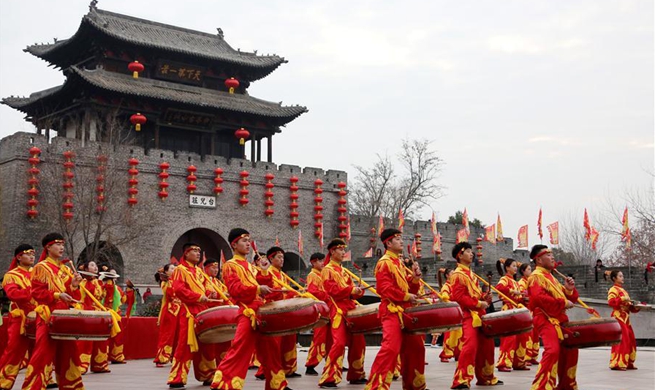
{"x": 268, "y": 195}
{"x": 191, "y": 178}
{"x": 231, "y": 84}
{"x": 218, "y": 180}
{"x": 242, "y": 134}
{"x": 135, "y": 67}
{"x": 67, "y": 204}
{"x": 479, "y": 248}
{"x": 132, "y": 182}
{"x": 243, "y": 200}
{"x": 33, "y": 181}
{"x": 294, "y": 205}
{"x": 343, "y": 228}
{"x": 163, "y": 184}
{"x": 137, "y": 120}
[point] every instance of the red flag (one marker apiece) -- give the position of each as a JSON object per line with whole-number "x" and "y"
{"x": 401, "y": 219}
{"x": 414, "y": 249}
{"x": 433, "y": 224}
{"x": 465, "y": 222}
{"x": 490, "y": 234}
{"x": 586, "y": 225}
{"x": 223, "y": 257}
{"x": 461, "y": 235}
{"x": 626, "y": 234}
{"x": 499, "y": 230}
{"x": 369, "y": 253}
{"x": 174, "y": 260}
{"x": 300, "y": 243}
{"x": 539, "y": 230}
{"x": 348, "y": 230}
{"x": 253, "y": 243}
{"x": 553, "y": 230}
{"x": 436, "y": 243}
{"x": 380, "y": 225}
{"x": 277, "y": 241}
{"x": 593, "y": 236}
{"x": 523, "y": 237}
{"x": 358, "y": 268}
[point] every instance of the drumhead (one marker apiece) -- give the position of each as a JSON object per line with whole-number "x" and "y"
{"x": 430, "y": 306}
{"x": 80, "y": 313}
{"x": 218, "y": 308}
{"x": 506, "y": 313}
{"x": 364, "y": 310}
{"x": 286, "y": 305}
{"x": 588, "y": 321}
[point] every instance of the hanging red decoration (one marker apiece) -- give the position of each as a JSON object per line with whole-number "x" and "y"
{"x": 243, "y": 193}
{"x": 294, "y": 204}
{"x": 479, "y": 248}
{"x": 33, "y": 181}
{"x": 231, "y": 84}
{"x": 268, "y": 194}
{"x": 100, "y": 184}
{"x": 417, "y": 239}
{"x": 342, "y": 218}
{"x": 191, "y": 178}
{"x": 133, "y": 182}
{"x": 242, "y": 134}
{"x": 135, "y": 67}
{"x": 318, "y": 208}
{"x": 163, "y": 180}
{"x": 218, "y": 180}
{"x": 373, "y": 238}
{"x": 68, "y": 185}
{"x": 138, "y": 120}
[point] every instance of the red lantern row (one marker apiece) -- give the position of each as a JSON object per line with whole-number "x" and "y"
{"x": 100, "y": 184}
{"x": 318, "y": 208}
{"x": 479, "y": 248}
{"x": 218, "y": 180}
{"x": 163, "y": 180}
{"x": 243, "y": 199}
{"x": 33, "y": 181}
{"x": 133, "y": 182}
{"x": 268, "y": 195}
{"x": 417, "y": 238}
{"x": 294, "y": 204}
{"x": 342, "y": 218}
{"x": 68, "y": 185}
{"x": 191, "y": 178}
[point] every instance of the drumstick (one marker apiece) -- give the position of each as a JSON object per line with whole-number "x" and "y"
{"x": 215, "y": 300}
{"x": 590, "y": 310}
{"x": 290, "y": 289}
{"x": 425, "y": 284}
{"x": 366, "y": 285}
{"x": 498, "y": 292}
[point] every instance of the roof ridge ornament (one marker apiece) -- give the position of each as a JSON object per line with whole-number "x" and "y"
{"x": 220, "y": 32}
{"x": 93, "y": 5}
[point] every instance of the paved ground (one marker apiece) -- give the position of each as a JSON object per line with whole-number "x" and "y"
{"x": 593, "y": 374}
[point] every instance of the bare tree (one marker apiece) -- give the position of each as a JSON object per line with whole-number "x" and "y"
{"x": 379, "y": 191}
{"x": 573, "y": 240}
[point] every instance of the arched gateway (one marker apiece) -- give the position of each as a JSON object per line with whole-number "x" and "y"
{"x": 211, "y": 243}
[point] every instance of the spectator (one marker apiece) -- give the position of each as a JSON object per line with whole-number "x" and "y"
{"x": 146, "y": 295}
{"x": 598, "y": 269}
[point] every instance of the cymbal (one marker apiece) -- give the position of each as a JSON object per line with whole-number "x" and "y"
{"x": 85, "y": 273}
{"x": 111, "y": 275}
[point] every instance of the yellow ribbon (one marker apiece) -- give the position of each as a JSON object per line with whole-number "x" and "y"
{"x": 250, "y": 313}
{"x": 44, "y": 312}
{"x": 115, "y": 326}
{"x": 23, "y": 318}
{"x": 191, "y": 339}
{"x": 477, "y": 321}
{"x": 396, "y": 309}
{"x": 558, "y": 327}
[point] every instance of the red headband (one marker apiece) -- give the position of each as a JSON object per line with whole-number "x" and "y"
{"x": 392, "y": 237}
{"x": 189, "y": 249}
{"x": 14, "y": 261}
{"x": 542, "y": 252}
{"x": 273, "y": 254}
{"x": 239, "y": 237}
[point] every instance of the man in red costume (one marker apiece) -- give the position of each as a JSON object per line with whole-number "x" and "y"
{"x": 18, "y": 287}
{"x": 214, "y": 285}
{"x": 189, "y": 283}
{"x": 398, "y": 288}
{"x": 342, "y": 294}
{"x": 322, "y": 339}
{"x": 548, "y": 302}
{"x": 477, "y": 354}
{"x": 54, "y": 287}
{"x": 240, "y": 278}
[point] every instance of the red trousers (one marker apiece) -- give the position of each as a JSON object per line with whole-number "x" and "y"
{"x": 231, "y": 372}
{"x": 94, "y": 354}
{"x": 14, "y": 354}
{"x": 63, "y": 353}
{"x": 452, "y": 344}
{"x": 288, "y": 354}
{"x": 334, "y": 361}
{"x": 533, "y": 346}
{"x": 167, "y": 333}
{"x": 477, "y": 357}
{"x": 624, "y": 354}
{"x": 556, "y": 361}
{"x": 116, "y": 344}
{"x": 321, "y": 343}
{"x": 204, "y": 362}
{"x": 411, "y": 350}
{"x": 513, "y": 351}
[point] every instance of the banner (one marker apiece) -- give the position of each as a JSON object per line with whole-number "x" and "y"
{"x": 436, "y": 243}
{"x": 300, "y": 243}
{"x": 380, "y": 225}
{"x": 593, "y": 236}
{"x": 523, "y": 237}
{"x": 348, "y": 236}
{"x": 462, "y": 236}
{"x": 626, "y": 234}
{"x": 433, "y": 224}
{"x": 539, "y": 231}
{"x": 553, "y": 230}
{"x": 401, "y": 220}
{"x": 499, "y": 230}
{"x": 490, "y": 234}
{"x": 369, "y": 253}
{"x": 465, "y": 222}
{"x": 587, "y": 225}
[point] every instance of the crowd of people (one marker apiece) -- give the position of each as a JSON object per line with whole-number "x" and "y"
{"x": 192, "y": 287}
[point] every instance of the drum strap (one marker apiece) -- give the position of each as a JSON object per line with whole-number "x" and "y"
{"x": 251, "y": 314}
{"x": 23, "y": 318}
{"x": 191, "y": 339}
{"x": 336, "y": 321}
{"x": 397, "y": 309}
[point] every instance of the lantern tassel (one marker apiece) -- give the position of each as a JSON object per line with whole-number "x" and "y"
{"x": 231, "y": 89}
{"x": 242, "y": 141}
{"x": 135, "y": 74}
{"x": 138, "y": 126}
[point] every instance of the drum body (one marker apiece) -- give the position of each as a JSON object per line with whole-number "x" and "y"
{"x": 593, "y": 332}
{"x": 30, "y": 325}
{"x": 217, "y": 325}
{"x": 364, "y": 319}
{"x": 507, "y": 322}
{"x": 80, "y": 325}
{"x": 433, "y": 318}
{"x": 324, "y": 313}
{"x": 288, "y": 316}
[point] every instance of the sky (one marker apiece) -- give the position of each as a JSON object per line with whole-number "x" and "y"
{"x": 530, "y": 103}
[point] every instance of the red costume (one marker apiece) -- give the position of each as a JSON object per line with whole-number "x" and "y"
{"x": 452, "y": 340}
{"x": 548, "y": 301}
{"x": 18, "y": 287}
{"x": 512, "y": 352}
{"x": 216, "y": 286}
{"x": 530, "y": 340}
{"x": 239, "y": 277}
{"x": 394, "y": 284}
{"x": 477, "y": 354}
{"x": 114, "y": 298}
{"x": 340, "y": 289}
{"x": 93, "y": 353}
{"x": 624, "y": 354}
{"x": 51, "y": 278}
{"x": 167, "y": 323}
{"x": 322, "y": 340}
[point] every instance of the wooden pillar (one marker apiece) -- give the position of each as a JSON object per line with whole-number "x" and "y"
{"x": 252, "y": 148}
{"x": 157, "y": 136}
{"x": 259, "y": 149}
{"x": 212, "y": 148}
{"x": 270, "y": 148}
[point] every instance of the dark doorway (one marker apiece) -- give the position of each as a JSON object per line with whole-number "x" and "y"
{"x": 211, "y": 243}
{"x": 106, "y": 254}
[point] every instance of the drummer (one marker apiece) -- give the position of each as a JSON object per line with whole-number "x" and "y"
{"x": 452, "y": 340}
{"x": 18, "y": 287}
{"x": 624, "y": 354}
{"x": 214, "y": 284}
{"x": 92, "y": 353}
{"x": 322, "y": 340}
{"x": 531, "y": 339}
{"x": 54, "y": 287}
{"x": 548, "y": 302}
{"x": 398, "y": 288}
{"x": 239, "y": 277}
{"x": 475, "y": 347}
{"x": 167, "y": 321}
{"x": 114, "y": 298}
{"x": 339, "y": 287}
{"x": 189, "y": 285}
{"x": 270, "y": 274}
{"x": 512, "y": 354}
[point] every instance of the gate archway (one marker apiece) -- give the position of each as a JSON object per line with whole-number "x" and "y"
{"x": 211, "y": 243}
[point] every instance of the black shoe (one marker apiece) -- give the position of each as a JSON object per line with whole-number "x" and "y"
{"x": 311, "y": 371}
{"x": 288, "y": 388}
{"x": 395, "y": 377}
{"x": 461, "y": 386}
{"x": 177, "y": 385}
{"x": 292, "y": 375}
{"x": 361, "y": 381}
{"x": 52, "y": 386}
{"x": 344, "y": 369}
{"x": 327, "y": 384}
{"x": 253, "y": 368}
{"x": 499, "y": 383}
{"x": 117, "y": 362}
{"x": 208, "y": 382}
{"x": 261, "y": 377}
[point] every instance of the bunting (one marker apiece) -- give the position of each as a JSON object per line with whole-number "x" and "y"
{"x": 523, "y": 237}
{"x": 401, "y": 219}
{"x": 499, "y": 230}
{"x": 553, "y": 230}
{"x": 380, "y": 225}
{"x": 369, "y": 253}
{"x": 587, "y": 225}
{"x": 539, "y": 230}
{"x": 490, "y": 234}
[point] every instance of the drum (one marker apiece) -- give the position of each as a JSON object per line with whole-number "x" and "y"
{"x": 507, "y": 322}
{"x": 433, "y": 318}
{"x": 80, "y": 325}
{"x": 288, "y": 316}
{"x": 217, "y": 325}
{"x": 30, "y": 325}
{"x": 593, "y": 332}
{"x": 324, "y": 313}
{"x": 364, "y": 319}
{"x": 644, "y": 307}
